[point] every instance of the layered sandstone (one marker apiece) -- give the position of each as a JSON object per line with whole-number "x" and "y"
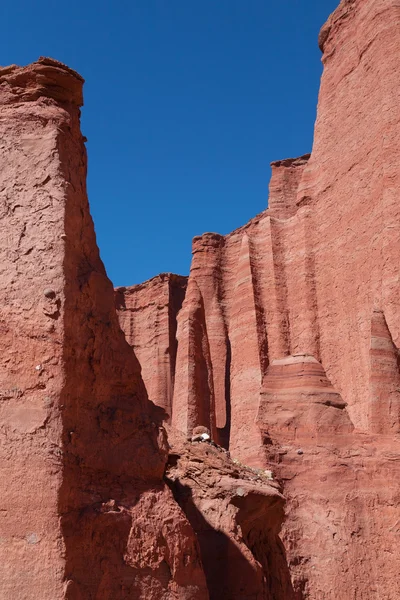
{"x": 84, "y": 510}
{"x": 284, "y": 342}
{"x": 289, "y": 334}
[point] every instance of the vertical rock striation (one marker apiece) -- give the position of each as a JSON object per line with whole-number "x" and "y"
{"x": 289, "y": 333}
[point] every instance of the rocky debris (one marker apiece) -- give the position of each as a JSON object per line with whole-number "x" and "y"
{"x": 236, "y": 512}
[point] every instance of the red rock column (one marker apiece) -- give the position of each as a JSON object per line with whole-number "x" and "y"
{"x": 245, "y": 369}
{"x": 301, "y": 298}
{"x": 193, "y": 394}
{"x": 84, "y": 510}
{"x": 206, "y": 270}
{"x": 277, "y": 309}
{"x": 36, "y": 104}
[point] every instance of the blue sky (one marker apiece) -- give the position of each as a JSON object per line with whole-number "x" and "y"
{"x": 186, "y": 104}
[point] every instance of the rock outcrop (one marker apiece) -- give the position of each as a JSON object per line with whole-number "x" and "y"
{"x": 84, "y": 510}
{"x": 289, "y": 333}
{"x": 237, "y": 513}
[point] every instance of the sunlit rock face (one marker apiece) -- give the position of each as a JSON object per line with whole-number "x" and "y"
{"x": 288, "y": 337}
{"x": 282, "y": 345}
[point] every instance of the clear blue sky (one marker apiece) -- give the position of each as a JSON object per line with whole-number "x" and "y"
{"x": 186, "y": 104}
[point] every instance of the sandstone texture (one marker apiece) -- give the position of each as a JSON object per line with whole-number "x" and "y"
{"x": 282, "y": 346}
{"x": 288, "y": 337}
{"x": 84, "y": 510}
{"x": 147, "y": 315}
{"x": 237, "y": 513}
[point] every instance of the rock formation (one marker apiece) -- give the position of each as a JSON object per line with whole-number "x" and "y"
{"x": 147, "y": 315}
{"x": 289, "y": 334}
{"x": 84, "y": 511}
{"x": 283, "y": 343}
{"x": 237, "y": 513}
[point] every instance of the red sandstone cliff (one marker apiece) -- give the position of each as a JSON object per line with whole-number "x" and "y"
{"x": 84, "y": 511}
{"x": 286, "y": 346}
{"x": 289, "y": 334}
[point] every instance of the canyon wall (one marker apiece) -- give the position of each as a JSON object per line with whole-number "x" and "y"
{"x": 84, "y": 510}
{"x": 284, "y": 342}
{"x": 147, "y": 314}
{"x": 289, "y": 334}
{"x": 87, "y": 511}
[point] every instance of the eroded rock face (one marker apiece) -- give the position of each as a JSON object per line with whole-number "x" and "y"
{"x": 289, "y": 334}
{"x": 297, "y": 398}
{"x": 285, "y": 348}
{"x": 237, "y": 513}
{"x": 85, "y": 513}
{"x": 147, "y": 315}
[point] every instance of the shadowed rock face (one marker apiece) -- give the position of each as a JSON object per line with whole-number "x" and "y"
{"x": 289, "y": 333}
